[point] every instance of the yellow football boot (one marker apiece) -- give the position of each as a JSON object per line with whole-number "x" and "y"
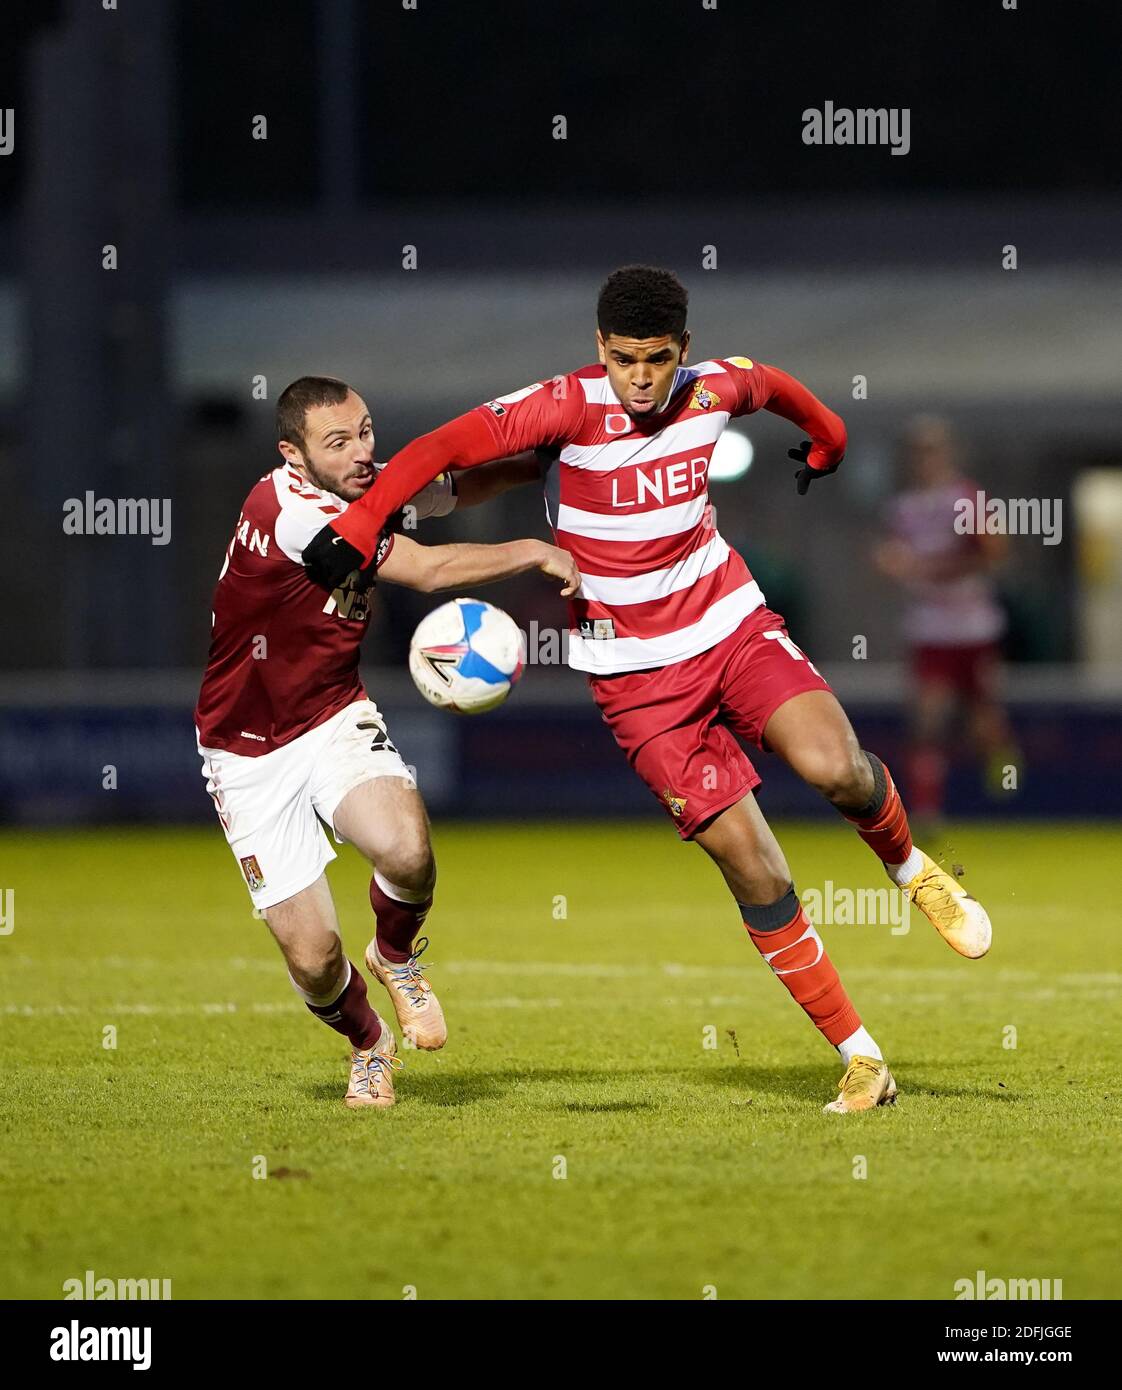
{"x": 866, "y": 1084}
{"x": 960, "y": 920}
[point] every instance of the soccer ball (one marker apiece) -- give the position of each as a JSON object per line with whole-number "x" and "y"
{"x": 466, "y": 656}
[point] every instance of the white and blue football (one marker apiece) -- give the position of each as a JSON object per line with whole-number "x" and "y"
{"x": 466, "y": 656}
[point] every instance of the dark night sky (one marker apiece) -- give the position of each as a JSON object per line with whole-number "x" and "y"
{"x": 662, "y": 99}
{"x": 666, "y": 98}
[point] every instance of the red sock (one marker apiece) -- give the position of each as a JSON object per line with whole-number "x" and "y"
{"x": 883, "y": 824}
{"x": 398, "y": 922}
{"x": 796, "y": 953}
{"x": 351, "y": 1013}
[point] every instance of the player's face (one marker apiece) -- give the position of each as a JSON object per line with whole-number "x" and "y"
{"x": 641, "y": 370}
{"x": 339, "y": 448}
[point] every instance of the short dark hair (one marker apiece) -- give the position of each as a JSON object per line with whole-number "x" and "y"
{"x": 642, "y": 301}
{"x": 302, "y": 395}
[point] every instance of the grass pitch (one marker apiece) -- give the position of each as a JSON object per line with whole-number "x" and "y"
{"x": 580, "y": 969}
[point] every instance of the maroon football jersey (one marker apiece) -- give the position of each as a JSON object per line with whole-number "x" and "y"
{"x": 283, "y": 652}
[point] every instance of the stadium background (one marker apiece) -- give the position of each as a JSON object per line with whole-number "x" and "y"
{"x": 579, "y": 1035}
{"x": 243, "y": 259}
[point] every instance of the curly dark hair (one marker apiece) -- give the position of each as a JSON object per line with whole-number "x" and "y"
{"x": 642, "y": 301}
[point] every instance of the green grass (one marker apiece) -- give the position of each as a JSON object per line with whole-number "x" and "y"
{"x": 580, "y": 1038}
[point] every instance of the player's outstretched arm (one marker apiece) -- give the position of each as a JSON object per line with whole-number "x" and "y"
{"x": 476, "y": 485}
{"x": 349, "y": 542}
{"x": 432, "y": 568}
{"x": 527, "y": 419}
{"x": 823, "y": 452}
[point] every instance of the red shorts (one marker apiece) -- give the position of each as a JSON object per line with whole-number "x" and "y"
{"x": 679, "y": 724}
{"x": 971, "y": 671}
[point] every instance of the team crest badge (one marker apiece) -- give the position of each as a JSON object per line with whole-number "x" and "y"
{"x": 252, "y": 870}
{"x": 704, "y": 398}
{"x": 677, "y": 804}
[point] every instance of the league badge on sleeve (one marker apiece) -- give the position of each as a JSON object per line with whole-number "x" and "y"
{"x": 252, "y": 870}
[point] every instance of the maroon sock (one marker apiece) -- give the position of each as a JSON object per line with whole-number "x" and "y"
{"x": 398, "y": 923}
{"x": 351, "y": 1013}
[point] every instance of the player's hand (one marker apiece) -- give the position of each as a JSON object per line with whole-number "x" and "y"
{"x": 366, "y": 577}
{"x": 559, "y": 564}
{"x": 816, "y": 463}
{"x": 328, "y": 558}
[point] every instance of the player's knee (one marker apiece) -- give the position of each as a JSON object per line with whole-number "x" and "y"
{"x": 756, "y": 873}
{"x": 840, "y": 772}
{"x": 316, "y": 966}
{"x": 770, "y": 883}
{"x": 408, "y": 862}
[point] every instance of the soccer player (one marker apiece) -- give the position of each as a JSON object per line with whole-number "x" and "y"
{"x": 289, "y": 737}
{"x": 683, "y": 655}
{"x": 953, "y": 621}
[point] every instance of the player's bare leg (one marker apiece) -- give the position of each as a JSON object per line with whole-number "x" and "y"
{"x": 307, "y": 931}
{"x": 385, "y": 819}
{"x": 742, "y": 845}
{"x": 811, "y": 733}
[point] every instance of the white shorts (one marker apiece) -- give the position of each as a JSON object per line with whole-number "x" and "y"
{"x": 271, "y": 807}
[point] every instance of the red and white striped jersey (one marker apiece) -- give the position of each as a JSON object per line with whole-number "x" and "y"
{"x": 628, "y": 498}
{"x": 957, "y": 610}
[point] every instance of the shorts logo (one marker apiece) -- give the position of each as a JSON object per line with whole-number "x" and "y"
{"x": 252, "y": 870}
{"x": 380, "y": 743}
{"x": 703, "y": 397}
{"x": 677, "y": 804}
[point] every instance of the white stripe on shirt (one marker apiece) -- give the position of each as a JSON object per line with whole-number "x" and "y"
{"x": 655, "y": 584}
{"x": 632, "y": 526}
{"x": 598, "y": 389}
{"x": 674, "y": 439}
{"x": 612, "y": 655}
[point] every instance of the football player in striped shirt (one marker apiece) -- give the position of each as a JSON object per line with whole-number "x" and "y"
{"x": 684, "y": 657}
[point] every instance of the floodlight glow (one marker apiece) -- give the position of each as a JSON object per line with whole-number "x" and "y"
{"x": 732, "y": 457}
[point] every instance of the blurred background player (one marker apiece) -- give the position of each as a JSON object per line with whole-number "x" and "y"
{"x": 684, "y": 657}
{"x": 289, "y": 738}
{"x": 952, "y": 619}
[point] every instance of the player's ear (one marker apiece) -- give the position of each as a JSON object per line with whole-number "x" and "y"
{"x": 289, "y": 452}
{"x": 601, "y": 351}
{"x": 685, "y": 346}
